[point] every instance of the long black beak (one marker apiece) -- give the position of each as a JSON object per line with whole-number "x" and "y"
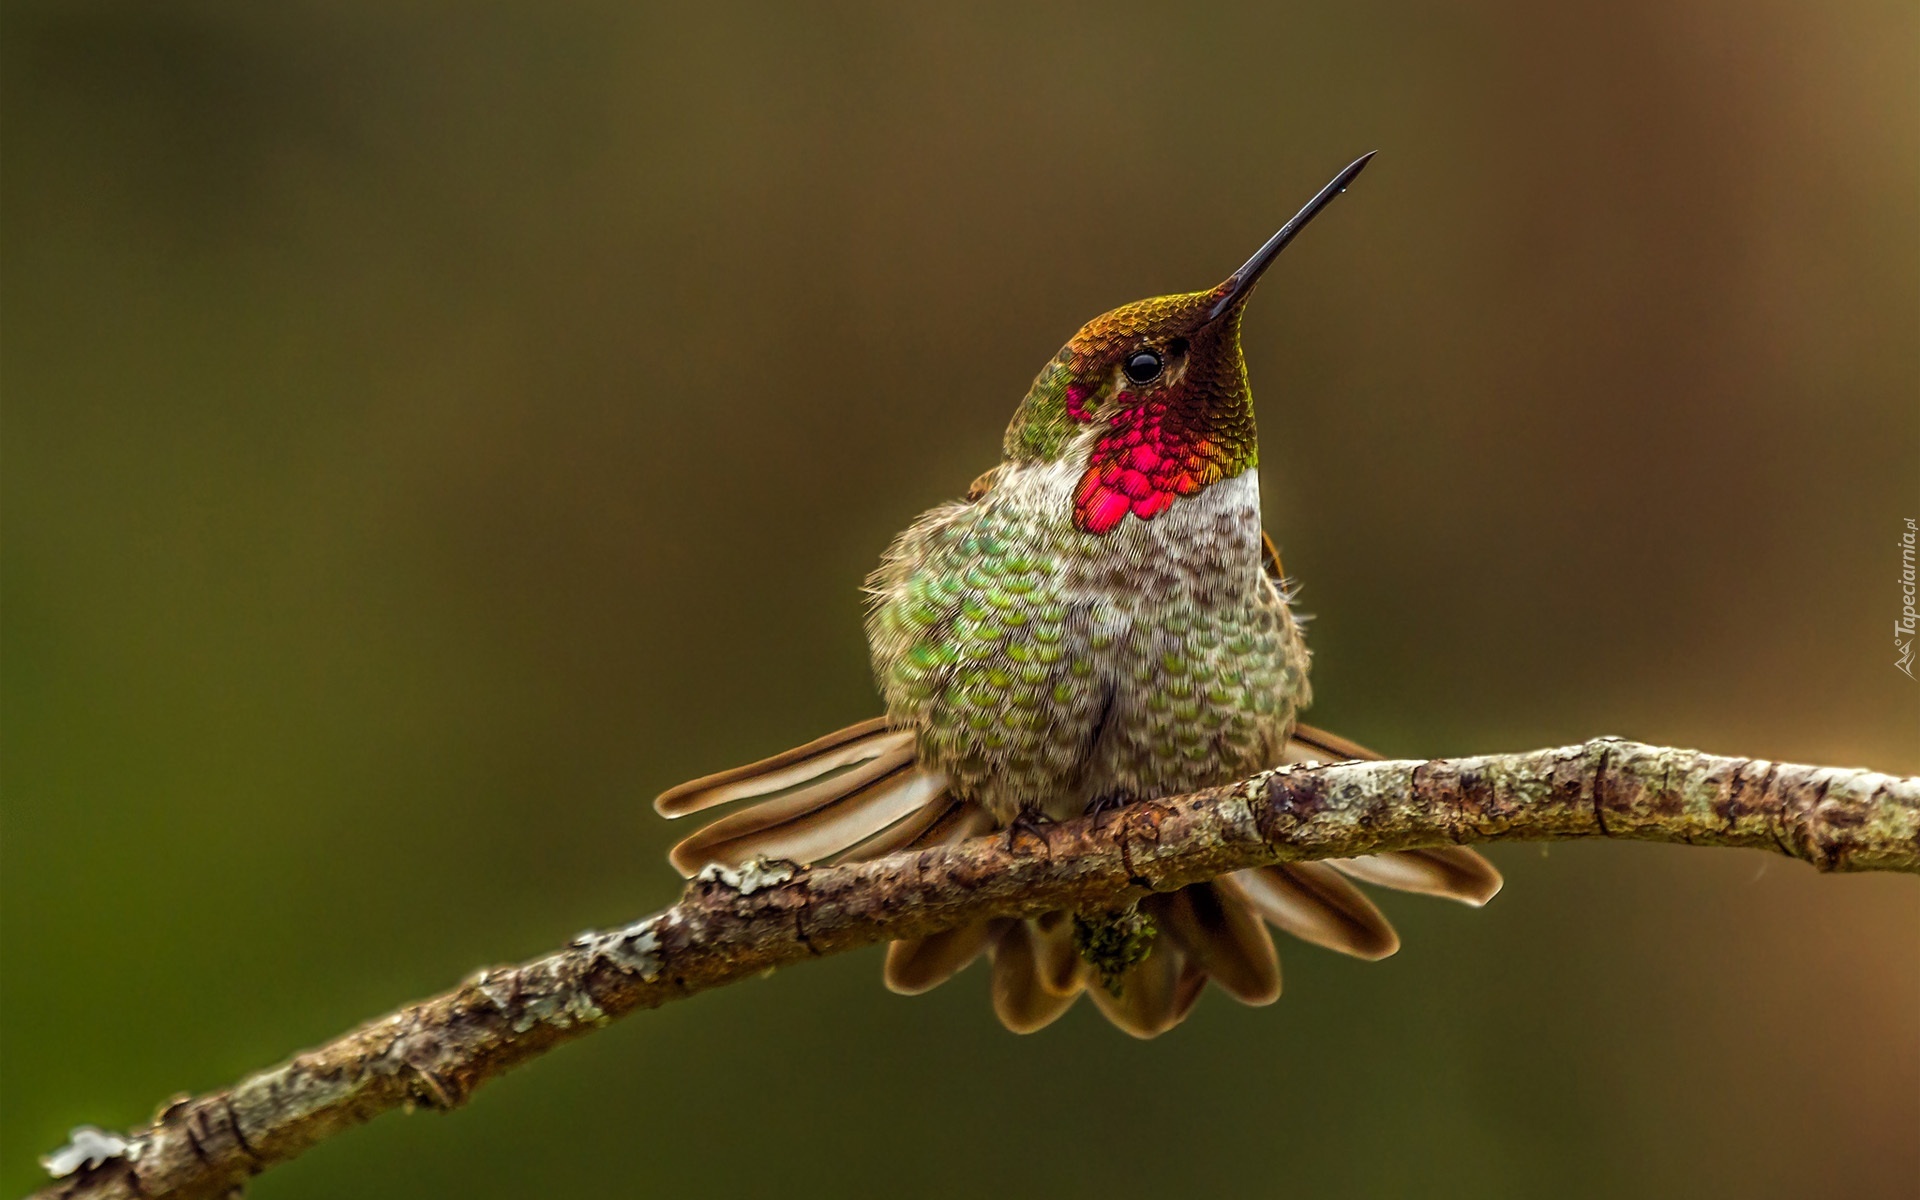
{"x": 1238, "y": 284}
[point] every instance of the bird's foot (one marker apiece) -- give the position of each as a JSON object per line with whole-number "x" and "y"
{"x": 1031, "y": 823}
{"x": 1100, "y": 806}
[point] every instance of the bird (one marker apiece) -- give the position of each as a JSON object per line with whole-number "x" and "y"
{"x": 1102, "y": 620}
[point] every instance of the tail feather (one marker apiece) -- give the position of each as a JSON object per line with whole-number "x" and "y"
{"x": 1156, "y": 993}
{"x": 1060, "y": 968}
{"x": 845, "y": 811}
{"x": 844, "y": 747}
{"x": 962, "y": 821}
{"x": 1450, "y": 872}
{"x": 1311, "y": 744}
{"x": 916, "y": 965}
{"x": 810, "y": 798}
{"x": 922, "y": 964}
{"x": 1314, "y": 903}
{"x": 941, "y": 823}
{"x": 1021, "y": 998}
{"x": 1215, "y": 923}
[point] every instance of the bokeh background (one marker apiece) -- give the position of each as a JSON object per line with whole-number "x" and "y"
{"x": 430, "y": 430}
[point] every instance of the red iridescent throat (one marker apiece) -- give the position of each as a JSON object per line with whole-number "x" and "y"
{"x": 1173, "y": 445}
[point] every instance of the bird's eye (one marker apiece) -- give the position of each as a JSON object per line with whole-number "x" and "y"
{"x": 1143, "y": 366}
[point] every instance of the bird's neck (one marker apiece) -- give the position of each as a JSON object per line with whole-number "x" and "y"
{"x": 1210, "y": 536}
{"x": 1153, "y": 456}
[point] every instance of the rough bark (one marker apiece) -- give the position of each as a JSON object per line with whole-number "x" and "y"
{"x": 731, "y": 925}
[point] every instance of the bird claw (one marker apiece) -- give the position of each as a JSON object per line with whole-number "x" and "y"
{"x": 1100, "y": 806}
{"x": 1031, "y": 824}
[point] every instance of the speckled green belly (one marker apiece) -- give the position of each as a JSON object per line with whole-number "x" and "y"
{"x": 1044, "y": 667}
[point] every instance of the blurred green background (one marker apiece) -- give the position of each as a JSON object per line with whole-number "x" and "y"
{"x": 431, "y": 430}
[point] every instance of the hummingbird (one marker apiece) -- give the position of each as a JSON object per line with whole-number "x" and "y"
{"x": 1101, "y": 621}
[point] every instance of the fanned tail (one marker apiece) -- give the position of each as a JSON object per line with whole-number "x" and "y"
{"x": 855, "y": 793}
{"x": 855, "y": 743}
{"x": 1218, "y": 930}
{"x": 858, "y": 794}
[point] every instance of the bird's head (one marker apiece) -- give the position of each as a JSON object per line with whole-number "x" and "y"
{"x": 1150, "y": 400}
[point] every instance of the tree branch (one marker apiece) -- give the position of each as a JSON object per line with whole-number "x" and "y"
{"x": 731, "y": 925}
